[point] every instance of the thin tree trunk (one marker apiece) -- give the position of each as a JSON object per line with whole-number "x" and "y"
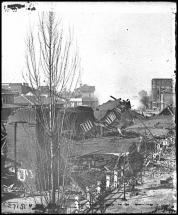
{"x": 57, "y": 67}
{"x": 50, "y": 111}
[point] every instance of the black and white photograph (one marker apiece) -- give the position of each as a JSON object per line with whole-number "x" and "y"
{"x": 88, "y": 107}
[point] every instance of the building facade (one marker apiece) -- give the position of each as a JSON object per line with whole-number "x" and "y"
{"x": 20, "y": 88}
{"x": 7, "y": 103}
{"x": 162, "y": 93}
{"x": 7, "y": 96}
{"x": 74, "y": 102}
{"x": 86, "y": 92}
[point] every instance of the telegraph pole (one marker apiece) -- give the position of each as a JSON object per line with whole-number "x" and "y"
{"x": 124, "y": 199}
{"x": 15, "y": 145}
{"x": 50, "y": 108}
{"x": 15, "y": 148}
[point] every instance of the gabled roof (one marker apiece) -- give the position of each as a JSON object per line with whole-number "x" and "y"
{"x": 29, "y": 94}
{"x": 25, "y": 100}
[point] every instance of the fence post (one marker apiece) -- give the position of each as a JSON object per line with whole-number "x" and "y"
{"x": 101, "y": 131}
{"x": 76, "y": 204}
{"x": 88, "y": 197}
{"x": 98, "y": 188}
{"x": 107, "y": 181}
{"x": 115, "y": 178}
{"x": 87, "y": 194}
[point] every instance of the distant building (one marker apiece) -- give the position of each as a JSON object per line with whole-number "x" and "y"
{"x": 7, "y": 103}
{"x": 87, "y": 91}
{"x": 20, "y": 88}
{"x": 7, "y": 96}
{"x": 87, "y": 94}
{"x": 44, "y": 90}
{"x": 26, "y": 100}
{"x": 167, "y": 98}
{"x": 21, "y": 94}
{"x": 91, "y": 102}
{"x": 162, "y": 93}
{"x": 74, "y": 102}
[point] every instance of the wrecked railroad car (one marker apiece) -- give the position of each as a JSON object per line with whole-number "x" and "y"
{"x": 33, "y": 148}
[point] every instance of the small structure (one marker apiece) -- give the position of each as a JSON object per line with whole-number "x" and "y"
{"x": 86, "y": 92}
{"x": 162, "y": 92}
{"x": 74, "y": 102}
{"x": 8, "y": 105}
{"x": 19, "y": 88}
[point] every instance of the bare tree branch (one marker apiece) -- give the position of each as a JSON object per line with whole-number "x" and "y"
{"x": 52, "y": 57}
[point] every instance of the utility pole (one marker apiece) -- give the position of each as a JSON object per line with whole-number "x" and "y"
{"x": 124, "y": 182}
{"x": 50, "y": 108}
{"x": 15, "y": 148}
{"x": 141, "y": 178}
{"x": 15, "y": 145}
{"x": 124, "y": 199}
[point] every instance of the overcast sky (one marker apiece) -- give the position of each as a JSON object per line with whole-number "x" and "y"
{"x": 122, "y": 45}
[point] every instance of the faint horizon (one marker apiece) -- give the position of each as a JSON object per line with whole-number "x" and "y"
{"x": 122, "y": 45}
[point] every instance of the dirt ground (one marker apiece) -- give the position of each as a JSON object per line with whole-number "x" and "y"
{"x": 149, "y": 197}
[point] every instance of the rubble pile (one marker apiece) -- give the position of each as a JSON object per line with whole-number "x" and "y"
{"x": 157, "y": 167}
{"x": 104, "y": 169}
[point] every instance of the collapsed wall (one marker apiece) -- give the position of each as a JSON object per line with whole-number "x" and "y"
{"x": 32, "y": 141}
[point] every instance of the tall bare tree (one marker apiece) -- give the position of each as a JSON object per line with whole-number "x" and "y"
{"x": 51, "y": 57}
